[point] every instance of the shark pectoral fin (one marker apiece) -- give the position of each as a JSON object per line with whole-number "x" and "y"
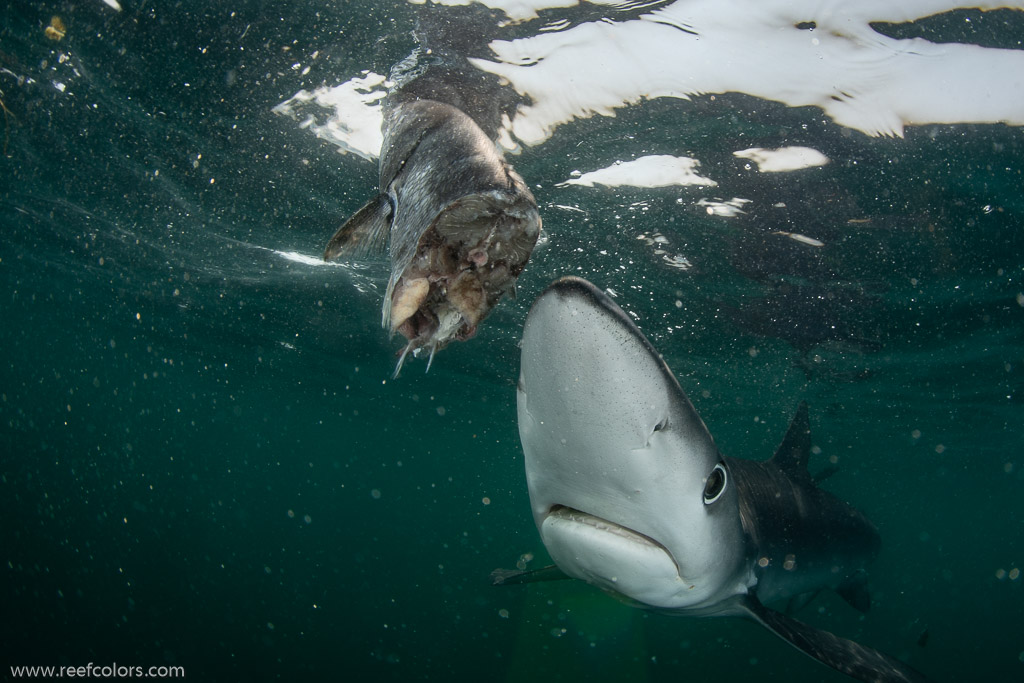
{"x": 504, "y": 577}
{"x": 855, "y": 591}
{"x": 855, "y": 660}
{"x": 365, "y": 233}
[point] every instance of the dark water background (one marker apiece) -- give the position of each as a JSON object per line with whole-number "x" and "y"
{"x": 205, "y": 463}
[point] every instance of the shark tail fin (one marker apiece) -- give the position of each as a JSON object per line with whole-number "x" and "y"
{"x": 853, "y": 659}
{"x": 365, "y": 233}
{"x": 795, "y": 450}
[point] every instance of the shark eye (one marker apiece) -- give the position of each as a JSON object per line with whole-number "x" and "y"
{"x": 715, "y": 485}
{"x": 661, "y": 425}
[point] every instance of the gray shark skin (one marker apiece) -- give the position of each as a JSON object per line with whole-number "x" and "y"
{"x": 460, "y": 221}
{"x": 631, "y": 494}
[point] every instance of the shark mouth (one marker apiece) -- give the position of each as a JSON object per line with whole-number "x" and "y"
{"x": 607, "y": 554}
{"x": 564, "y": 514}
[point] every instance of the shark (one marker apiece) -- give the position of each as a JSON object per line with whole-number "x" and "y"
{"x": 631, "y": 494}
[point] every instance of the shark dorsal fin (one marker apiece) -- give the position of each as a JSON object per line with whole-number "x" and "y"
{"x": 795, "y": 450}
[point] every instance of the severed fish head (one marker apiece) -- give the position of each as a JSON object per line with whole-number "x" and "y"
{"x": 459, "y": 222}
{"x": 463, "y": 264}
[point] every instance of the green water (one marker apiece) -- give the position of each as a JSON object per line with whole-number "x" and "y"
{"x": 205, "y": 462}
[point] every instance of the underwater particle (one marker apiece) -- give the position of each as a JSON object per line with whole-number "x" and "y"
{"x": 503, "y": 613}
{"x": 524, "y": 560}
{"x": 940, "y": 448}
{"x": 307, "y": 519}
{"x": 1014, "y": 574}
{"x": 56, "y": 30}
{"x": 375, "y": 494}
{"x": 1000, "y": 573}
{"x": 291, "y": 514}
{"x": 486, "y": 500}
{"x": 441, "y": 411}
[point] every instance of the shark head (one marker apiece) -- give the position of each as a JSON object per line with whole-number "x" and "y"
{"x": 627, "y": 487}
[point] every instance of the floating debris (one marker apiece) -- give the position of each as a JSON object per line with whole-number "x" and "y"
{"x": 800, "y": 238}
{"x": 56, "y": 30}
{"x": 727, "y": 209}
